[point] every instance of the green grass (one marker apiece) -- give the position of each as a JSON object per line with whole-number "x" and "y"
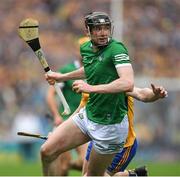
{"x": 20, "y": 169}
{"x": 34, "y": 169}
{"x": 160, "y": 168}
{"x": 168, "y": 169}
{"x": 25, "y": 169}
{"x": 13, "y": 166}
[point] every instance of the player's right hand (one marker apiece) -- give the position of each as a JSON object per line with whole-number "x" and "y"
{"x": 52, "y": 77}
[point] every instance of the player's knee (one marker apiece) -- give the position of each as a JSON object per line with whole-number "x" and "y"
{"x": 46, "y": 153}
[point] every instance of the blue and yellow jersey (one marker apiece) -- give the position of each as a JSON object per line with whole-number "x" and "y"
{"x": 84, "y": 99}
{"x": 131, "y": 133}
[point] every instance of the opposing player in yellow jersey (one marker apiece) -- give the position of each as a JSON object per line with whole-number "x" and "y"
{"x": 123, "y": 158}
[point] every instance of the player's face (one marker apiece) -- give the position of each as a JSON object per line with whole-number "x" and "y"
{"x": 100, "y": 34}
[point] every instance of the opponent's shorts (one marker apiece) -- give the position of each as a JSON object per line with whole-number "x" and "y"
{"x": 107, "y": 139}
{"x": 121, "y": 160}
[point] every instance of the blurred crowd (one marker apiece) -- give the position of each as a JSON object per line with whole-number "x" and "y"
{"x": 151, "y": 30}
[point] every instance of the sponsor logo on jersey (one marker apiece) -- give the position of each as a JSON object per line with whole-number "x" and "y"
{"x": 101, "y": 57}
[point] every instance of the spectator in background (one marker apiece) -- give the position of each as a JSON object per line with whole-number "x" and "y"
{"x": 26, "y": 121}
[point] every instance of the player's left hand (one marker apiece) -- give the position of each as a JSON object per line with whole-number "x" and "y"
{"x": 159, "y": 91}
{"x": 80, "y": 86}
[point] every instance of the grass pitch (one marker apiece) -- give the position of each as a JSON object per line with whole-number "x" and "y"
{"x": 13, "y": 168}
{"x": 12, "y": 165}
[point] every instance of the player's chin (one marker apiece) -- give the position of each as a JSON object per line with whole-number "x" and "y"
{"x": 102, "y": 41}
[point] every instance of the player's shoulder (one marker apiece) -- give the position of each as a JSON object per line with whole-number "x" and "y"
{"x": 116, "y": 45}
{"x": 85, "y": 44}
{"x": 86, "y": 48}
{"x": 83, "y": 40}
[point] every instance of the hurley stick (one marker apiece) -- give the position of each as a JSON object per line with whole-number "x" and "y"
{"x": 32, "y": 135}
{"x": 28, "y": 31}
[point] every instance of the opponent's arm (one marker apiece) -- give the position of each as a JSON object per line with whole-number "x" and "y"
{"x": 148, "y": 94}
{"x": 52, "y": 103}
{"x": 59, "y": 77}
{"x": 124, "y": 83}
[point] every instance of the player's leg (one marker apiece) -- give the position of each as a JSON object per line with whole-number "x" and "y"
{"x": 98, "y": 163}
{"x": 63, "y": 163}
{"x": 119, "y": 162}
{"x": 78, "y": 163}
{"x": 126, "y": 157}
{"x": 65, "y": 137}
{"x": 107, "y": 141}
{"x": 122, "y": 160}
{"x": 86, "y": 160}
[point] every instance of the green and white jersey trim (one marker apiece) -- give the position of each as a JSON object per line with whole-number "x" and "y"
{"x": 122, "y": 60}
{"x": 121, "y": 57}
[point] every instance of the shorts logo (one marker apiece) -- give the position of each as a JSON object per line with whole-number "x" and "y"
{"x": 108, "y": 116}
{"x": 81, "y": 115}
{"x": 115, "y": 147}
{"x": 111, "y": 147}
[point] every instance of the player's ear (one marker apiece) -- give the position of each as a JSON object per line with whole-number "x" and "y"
{"x": 87, "y": 31}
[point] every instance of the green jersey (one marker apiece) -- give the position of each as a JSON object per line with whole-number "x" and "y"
{"x": 100, "y": 68}
{"x": 72, "y": 98}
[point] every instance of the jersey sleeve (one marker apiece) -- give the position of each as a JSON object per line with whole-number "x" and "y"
{"x": 120, "y": 55}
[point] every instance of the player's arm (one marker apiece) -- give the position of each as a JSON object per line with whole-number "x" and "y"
{"x": 52, "y": 103}
{"x": 59, "y": 77}
{"x": 148, "y": 94}
{"x": 124, "y": 83}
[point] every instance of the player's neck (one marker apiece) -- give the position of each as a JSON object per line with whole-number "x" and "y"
{"x": 95, "y": 48}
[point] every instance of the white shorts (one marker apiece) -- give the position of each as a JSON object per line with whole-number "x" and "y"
{"x": 107, "y": 139}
